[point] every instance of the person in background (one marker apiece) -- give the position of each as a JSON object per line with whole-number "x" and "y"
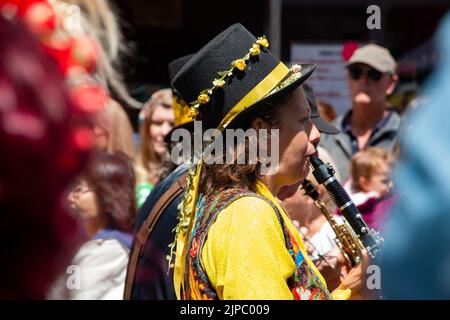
{"x": 103, "y": 201}
{"x": 113, "y": 130}
{"x": 157, "y": 120}
{"x": 416, "y": 253}
{"x": 149, "y": 278}
{"x": 370, "y": 185}
{"x": 371, "y": 78}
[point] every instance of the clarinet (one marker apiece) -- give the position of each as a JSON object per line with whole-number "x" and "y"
{"x": 346, "y": 240}
{"x": 324, "y": 174}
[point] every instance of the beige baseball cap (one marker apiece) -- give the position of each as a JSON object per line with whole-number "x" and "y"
{"x": 375, "y": 56}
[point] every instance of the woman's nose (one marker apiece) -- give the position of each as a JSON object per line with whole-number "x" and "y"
{"x": 71, "y": 198}
{"x": 166, "y": 128}
{"x": 314, "y": 136}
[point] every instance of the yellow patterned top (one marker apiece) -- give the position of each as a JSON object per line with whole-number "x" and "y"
{"x": 240, "y": 266}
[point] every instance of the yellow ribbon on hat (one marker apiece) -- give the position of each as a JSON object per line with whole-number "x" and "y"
{"x": 262, "y": 89}
{"x": 180, "y": 111}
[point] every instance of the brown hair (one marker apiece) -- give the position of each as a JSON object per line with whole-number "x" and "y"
{"x": 115, "y": 121}
{"x": 151, "y": 163}
{"x": 364, "y": 162}
{"x": 111, "y": 176}
{"x": 222, "y": 176}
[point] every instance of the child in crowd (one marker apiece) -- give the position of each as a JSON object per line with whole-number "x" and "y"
{"x": 370, "y": 184}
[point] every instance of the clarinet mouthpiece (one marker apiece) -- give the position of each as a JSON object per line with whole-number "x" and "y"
{"x": 315, "y": 162}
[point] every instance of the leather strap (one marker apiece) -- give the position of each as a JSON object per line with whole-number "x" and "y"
{"x": 146, "y": 229}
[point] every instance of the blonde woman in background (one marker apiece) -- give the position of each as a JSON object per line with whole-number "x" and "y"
{"x": 157, "y": 120}
{"x": 113, "y": 130}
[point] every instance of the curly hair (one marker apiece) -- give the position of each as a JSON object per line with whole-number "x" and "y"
{"x": 111, "y": 176}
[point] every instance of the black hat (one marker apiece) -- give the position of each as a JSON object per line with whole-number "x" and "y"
{"x": 176, "y": 65}
{"x": 180, "y": 108}
{"x": 322, "y": 125}
{"x": 235, "y": 72}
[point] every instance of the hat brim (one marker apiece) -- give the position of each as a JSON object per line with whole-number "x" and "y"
{"x": 285, "y": 87}
{"x": 323, "y": 126}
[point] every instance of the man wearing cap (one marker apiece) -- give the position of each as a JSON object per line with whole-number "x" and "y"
{"x": 371, "y": 78}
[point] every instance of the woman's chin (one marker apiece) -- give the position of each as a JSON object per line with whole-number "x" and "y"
{"x": 160, "y": 150}
{"x": 305, "y": 171}
{"x": 288, "y": 191}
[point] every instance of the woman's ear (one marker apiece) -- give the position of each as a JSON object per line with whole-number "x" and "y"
{"x": 259, "y": 123}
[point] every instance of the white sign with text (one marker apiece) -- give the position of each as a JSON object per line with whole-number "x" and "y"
{"x": 328, "y": 80}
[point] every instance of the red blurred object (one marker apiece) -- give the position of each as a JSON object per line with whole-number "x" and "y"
{"x": 89, "y": 97}
{"x": 84, "y": 53}
{"x": 60, "y": 50}
{"x": 84, "y": 138}
{"x": 38, "y": 15}
{"x": 44, "y": 145}
{"x": 71, "y": 52}
{"x": 348, "y": 49}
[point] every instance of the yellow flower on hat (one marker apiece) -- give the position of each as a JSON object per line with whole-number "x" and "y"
{"x": 193, "y": 113}
{"x": 240, "y": 64}
{"x": 255, "y": 50}
{"x": 263, "y": 42}
{"x": 203, "y": 98}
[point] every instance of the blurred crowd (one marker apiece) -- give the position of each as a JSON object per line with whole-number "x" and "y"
{"x": 76, "y": 185}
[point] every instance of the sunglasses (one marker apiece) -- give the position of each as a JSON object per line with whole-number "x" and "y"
{"x": 356, "y": 73}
